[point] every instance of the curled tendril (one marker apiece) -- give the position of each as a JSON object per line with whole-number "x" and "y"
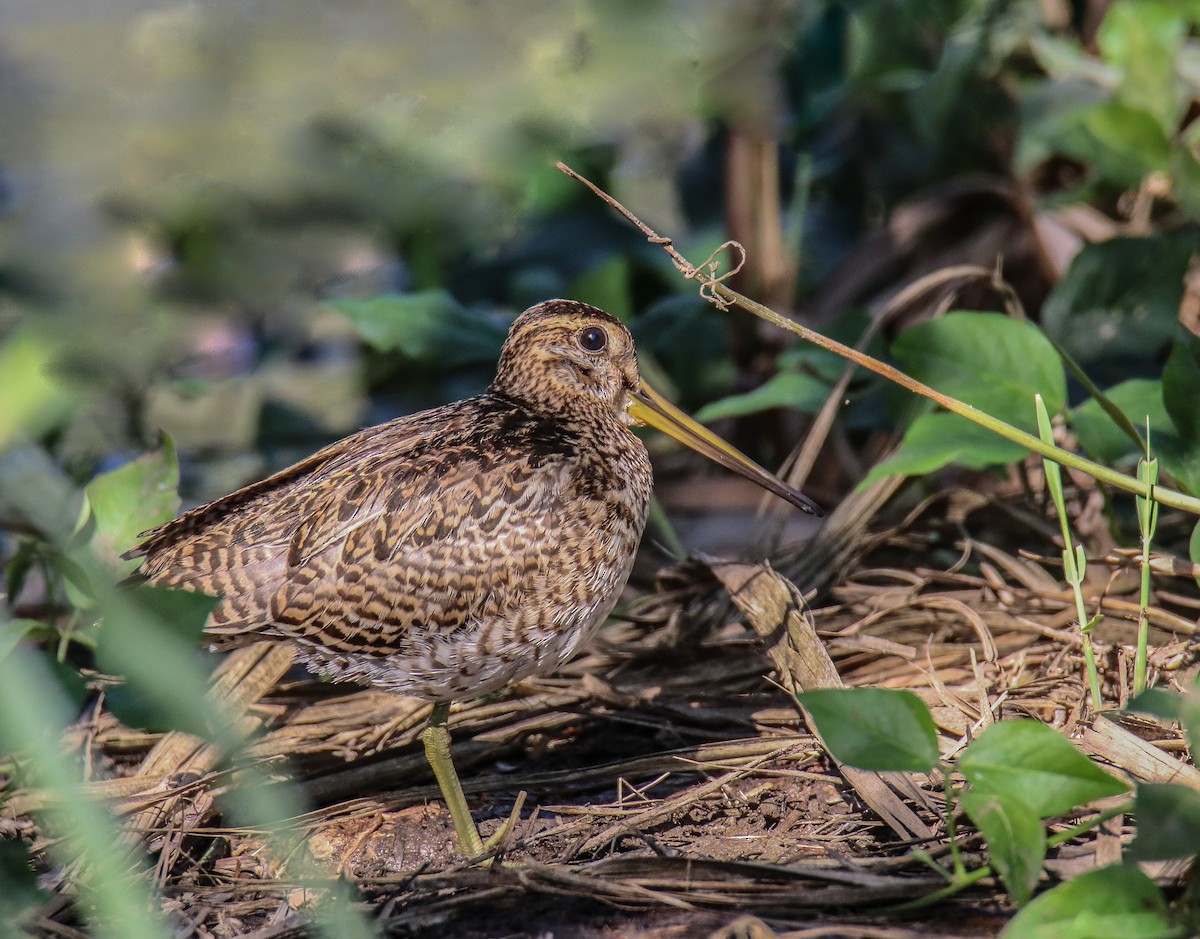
{"x": 706, "y": 273}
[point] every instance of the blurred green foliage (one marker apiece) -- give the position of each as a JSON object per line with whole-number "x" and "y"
{"x": 1123, "y": 114}
{"x": 258, "y": 226}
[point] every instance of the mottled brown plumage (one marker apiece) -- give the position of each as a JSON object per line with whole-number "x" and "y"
{"x": 448, "y": 553}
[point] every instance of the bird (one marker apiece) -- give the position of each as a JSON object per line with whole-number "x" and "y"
{"x": 452, "y": 552}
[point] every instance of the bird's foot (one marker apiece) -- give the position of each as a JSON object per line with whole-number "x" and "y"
{"x": 496, "y": 841}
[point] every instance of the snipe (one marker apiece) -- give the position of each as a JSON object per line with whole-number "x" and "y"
{"x": 449, "y": 553}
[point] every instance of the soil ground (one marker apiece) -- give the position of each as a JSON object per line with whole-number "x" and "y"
{"x": 671, "y": 786}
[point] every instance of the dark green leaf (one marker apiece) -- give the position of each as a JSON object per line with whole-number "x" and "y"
{"x": 133, "y": 708}
{"x": 133, "y": 498}
{"x": 20, "y": 894}
{"x": 606, "y": 286}
{"x": 1158, "y": 702}
{"x": 66, "y": 680}
{"x": 429, "y": 326}
{"x": 682, "y": 333}
{"x": 1181, "y": 388}
{"x": 993, "y": 362}
{"x": 1115, "y": 290}
{"x": 1030, "y": 761}
{"x": 1179, "y": 460}
{"x": 785, "y": 390}
{"x": 1168, "y": 822}
{"x": 1054, "y": 113}
{"x": 72, "y": 684}
{"x": 1137, "y": 399}
{"x": 937, "y": 440}
{"x": 874, "y": 728}
{"x": 1118, "y": 901}
{"x": 1170, "y": 705}
{"x": 19, "y": 566}
{"x": 1015, "y": 838}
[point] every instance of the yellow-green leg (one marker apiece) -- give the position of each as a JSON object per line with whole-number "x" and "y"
{"x": 436, "y": 738}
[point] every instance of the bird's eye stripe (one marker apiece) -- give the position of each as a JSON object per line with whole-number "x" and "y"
{"x": 593, "y": 339}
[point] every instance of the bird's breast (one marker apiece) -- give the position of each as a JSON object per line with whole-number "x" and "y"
{"x": 537, "y": 564}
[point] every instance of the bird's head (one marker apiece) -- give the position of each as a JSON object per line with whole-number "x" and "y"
{"x": 564, "y": 357}
{"x": 569, "y": 360}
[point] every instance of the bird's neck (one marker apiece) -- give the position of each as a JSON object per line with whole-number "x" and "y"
{"x": 586, "y": 419}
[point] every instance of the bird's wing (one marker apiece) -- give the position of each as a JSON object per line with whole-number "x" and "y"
{"x": 180, "y": 543}
{"x": 437, "y": 543}
{"x": 410, "y": 524}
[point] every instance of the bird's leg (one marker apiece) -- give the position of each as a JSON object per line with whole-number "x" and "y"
{"x": 436, "y": 738}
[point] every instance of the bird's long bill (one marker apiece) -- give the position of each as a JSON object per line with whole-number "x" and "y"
{"x": 647, "y": 406}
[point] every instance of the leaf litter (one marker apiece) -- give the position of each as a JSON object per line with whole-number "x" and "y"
{"x": 670, "y": 785}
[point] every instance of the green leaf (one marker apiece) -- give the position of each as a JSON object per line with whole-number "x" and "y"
{"x": 13, "y": 631}
{"x": 16, "y": 637}
{"x": 1147, "y": 508}
{"x": 133, "y": 498}
{"x": 1118, "y": 901}
{"x": 1158, "y": 702}
{"x": 20, "y": 895}
{"x": 1054, "y": 113}
{"x": 1181, "y": 388}
{"x": 1180, "y": 460}
{"x": 20, "y": 563}
{"x": 82, "y": 588}
{"x": 874, "y": 728}
{"x": 70, "y": 682}
{"x": 993, "y": 362}
{"x": 115, "y": 896}
{"x": 1132, "y": 142}
{"x": 1030, "y": 761}
{"x": 36, "y": 493}
{"x": 429, "y": 326}
{"x": 1137, "y": 399}
{"x": 1143, "y": 40}
{"x": 785, "y": 390}
{"x": 33, "y": 401}
{"x": 937, "y": 440}
{"x": 1015, "y": 838}
{"x": 1185, "y": 171}
{"x": 1194, "y": 551}
{"x": 1168, "y": 822}
{"x": 1114, "y": 290}
{"x": 152, "y": 637}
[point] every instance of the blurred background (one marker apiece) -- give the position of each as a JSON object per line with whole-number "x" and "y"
{"x": 232, "y": 231}
{"x": 258, "y": 226}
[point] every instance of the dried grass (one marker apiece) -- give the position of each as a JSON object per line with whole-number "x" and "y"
{"x": 673, "y": 788}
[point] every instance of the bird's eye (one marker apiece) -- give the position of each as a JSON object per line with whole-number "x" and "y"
{"x": 593, "y": 339}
